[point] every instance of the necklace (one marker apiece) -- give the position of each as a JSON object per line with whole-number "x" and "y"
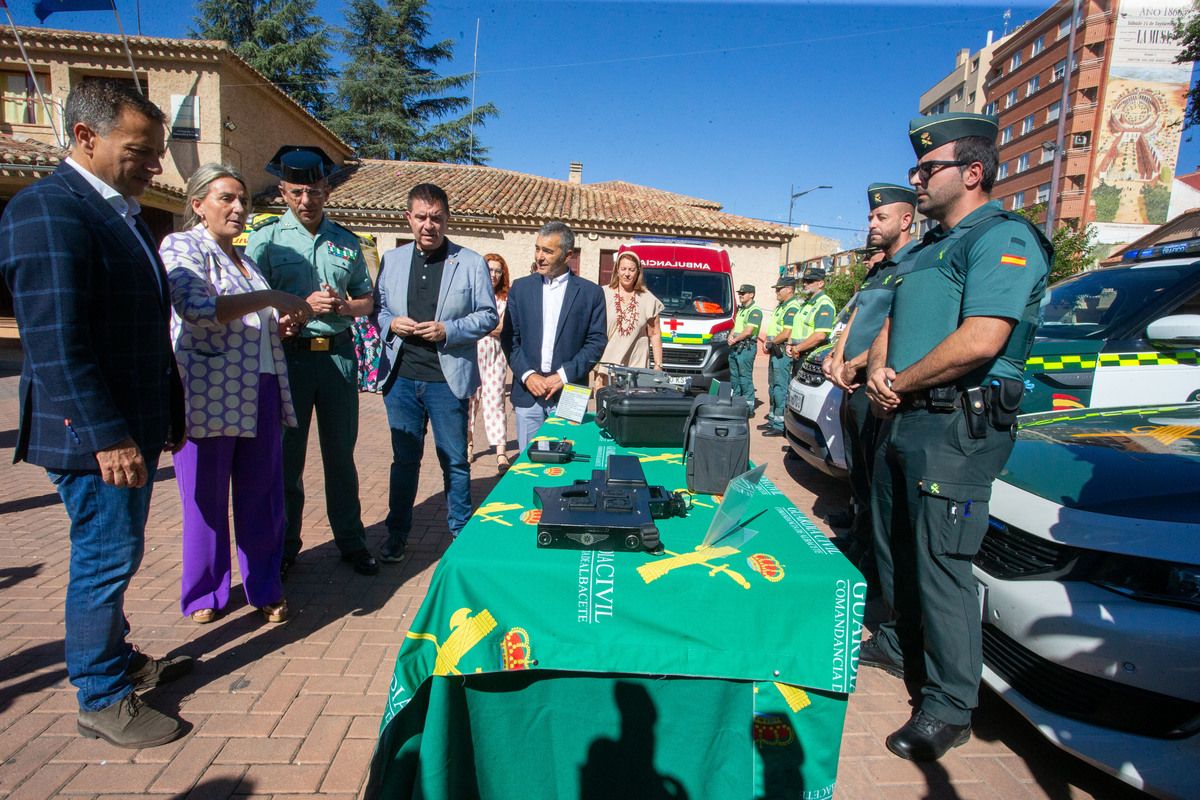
{"x": 627, "y": 316}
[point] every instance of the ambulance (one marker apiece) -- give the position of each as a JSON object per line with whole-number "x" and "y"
{"x": 694, "y": 280}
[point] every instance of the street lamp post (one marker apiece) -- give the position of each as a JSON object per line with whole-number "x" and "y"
{"x": 787, "y": 250}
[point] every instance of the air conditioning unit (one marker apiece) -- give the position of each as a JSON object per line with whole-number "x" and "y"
{"x": 1079, "y": 140}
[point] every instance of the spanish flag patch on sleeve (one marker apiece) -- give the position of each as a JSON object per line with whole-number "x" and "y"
{"x": 1012, "y": 260}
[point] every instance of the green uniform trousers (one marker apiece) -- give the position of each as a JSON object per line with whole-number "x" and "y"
{"x": 860, "y": 431}
{"x": 326, "y": 382}
{"x": 741, "y": 369}
{"x": 779, "y": 376}
{"x": 929, "y": 503}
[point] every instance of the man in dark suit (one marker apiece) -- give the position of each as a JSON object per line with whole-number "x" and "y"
{"x": 100, "y": 394}
{"x": 555, "y": 330}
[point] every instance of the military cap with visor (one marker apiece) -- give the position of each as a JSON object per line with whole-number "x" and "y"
{"x": 746, "y": 288}
{"x": 814, "y": 274}
{"x": 785, "y": 281}
{"x": 301, "y": 164}
{"x": 881, "y": 194}
{"x": 930, "y": 133}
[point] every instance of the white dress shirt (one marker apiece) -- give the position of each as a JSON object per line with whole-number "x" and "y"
{"x": 554, "y": 291}
{"x": 128, "y": 209}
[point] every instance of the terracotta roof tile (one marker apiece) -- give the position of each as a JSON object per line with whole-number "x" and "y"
{"x": 624, "y": 187}
{"x": 516, "y": 198}
{"x": 30, "y": 158}
{"x": 160, "y": 47}
{"x": 27, "y": 152}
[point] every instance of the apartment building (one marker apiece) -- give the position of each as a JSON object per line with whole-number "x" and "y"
{"x": 1120, "y": 98}
{"x": 964, "y": 89}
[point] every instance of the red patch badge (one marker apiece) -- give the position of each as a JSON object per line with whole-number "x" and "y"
{"x": 532, "y": 517}
{"x": 770, "y": 730}
{"x": 767, "y": 566}
{"x": 515, "y": 653}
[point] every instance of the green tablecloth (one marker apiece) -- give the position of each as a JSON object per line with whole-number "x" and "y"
{"x": 524, "y": 670}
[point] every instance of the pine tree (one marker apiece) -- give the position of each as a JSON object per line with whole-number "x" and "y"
{"x": 391, "y": 103}
{"x": 1187, "y": 34}
{"x": 282, "y": 39}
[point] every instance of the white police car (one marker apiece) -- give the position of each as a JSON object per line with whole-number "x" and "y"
{"x": 1120, "y": 335}
{"x": 1089, "y": 580}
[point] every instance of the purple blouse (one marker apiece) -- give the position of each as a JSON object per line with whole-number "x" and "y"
{"x": 219, "y": 363}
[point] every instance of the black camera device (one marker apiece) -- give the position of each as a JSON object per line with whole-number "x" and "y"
{"x": 615, "y": 510}
{"x": 551, "y": 451}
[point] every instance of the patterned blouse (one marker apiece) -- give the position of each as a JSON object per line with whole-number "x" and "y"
{"x": 219, "y": 363}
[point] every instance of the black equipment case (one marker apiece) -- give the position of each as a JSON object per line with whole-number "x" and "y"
{"x": 716, "y": 445}
{"x": 643, "y": 417}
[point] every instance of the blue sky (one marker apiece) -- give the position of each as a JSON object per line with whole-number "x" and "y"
{"x": 728, "y": 101}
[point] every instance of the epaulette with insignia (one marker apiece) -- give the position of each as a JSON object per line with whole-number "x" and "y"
{"x": 337, "y": 224}
{"x": 262, "y": 221}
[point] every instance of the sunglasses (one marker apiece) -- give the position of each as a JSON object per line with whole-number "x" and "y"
{"x": 929, "y": 168}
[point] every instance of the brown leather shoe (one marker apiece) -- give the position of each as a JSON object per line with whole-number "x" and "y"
{"x": 146, "y": 673}
{"x": 129, "y": 722}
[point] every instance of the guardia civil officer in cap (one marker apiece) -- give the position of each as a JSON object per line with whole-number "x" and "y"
{"x": 888, "y": 223}
{"x": 311, "y": 256}
{"x": 946, "y": 372}
{"x": 779, "y": 330}
{"x": 814, "y": 323}
{"x": 743, "y": 343}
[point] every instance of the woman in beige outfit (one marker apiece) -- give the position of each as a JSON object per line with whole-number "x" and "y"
{"x": 633, "y": 331}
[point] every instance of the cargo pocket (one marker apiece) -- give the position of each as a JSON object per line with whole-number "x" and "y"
{"x": 956, "y": 515}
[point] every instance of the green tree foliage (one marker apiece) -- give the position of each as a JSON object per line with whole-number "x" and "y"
{"x": 392, "y": 104}
{"x": 282, "y": 39}
{"x": 1187, "y": 34}
{"x": 1074, "y": 249}
{"x": 1156, "y": 198}
{"x": 841, "y": 286}
{"x": 1107, "y": 198}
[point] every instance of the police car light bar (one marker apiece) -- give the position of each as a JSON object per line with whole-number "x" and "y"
{"x": 1174, "y": 249}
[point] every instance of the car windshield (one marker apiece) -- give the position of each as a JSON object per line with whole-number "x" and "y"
{"x": 691, "y": 293}
{"x": 1089, "y": 305}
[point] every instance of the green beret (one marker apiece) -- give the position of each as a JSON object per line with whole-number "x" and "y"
{"x": 928, "y": 133}
{"x": 880, "y": 194}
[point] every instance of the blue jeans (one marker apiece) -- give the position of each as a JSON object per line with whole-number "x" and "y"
{"x": 530, "y": 418}
{"x": 410, "y": 406}
{"x": 108, "y": 535}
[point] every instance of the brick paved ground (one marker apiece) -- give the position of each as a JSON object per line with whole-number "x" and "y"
{"x": 292, "y": 711}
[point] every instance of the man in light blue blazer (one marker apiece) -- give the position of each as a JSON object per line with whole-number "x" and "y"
{"x": 433, "y": 302}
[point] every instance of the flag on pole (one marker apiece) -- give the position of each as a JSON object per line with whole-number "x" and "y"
{"x": 44, "y": 8}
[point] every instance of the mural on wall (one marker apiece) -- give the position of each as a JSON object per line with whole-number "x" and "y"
{"x": 1142, "y": 119}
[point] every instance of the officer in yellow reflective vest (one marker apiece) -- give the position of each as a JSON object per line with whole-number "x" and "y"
{"x": 814, "y": 323}
{"x": 743, "y": 344}
{"x": 779, "y": 330}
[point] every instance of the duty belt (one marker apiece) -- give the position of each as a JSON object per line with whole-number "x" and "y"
{"x": 320, "y": 344}
{"x": 937, "y": 400}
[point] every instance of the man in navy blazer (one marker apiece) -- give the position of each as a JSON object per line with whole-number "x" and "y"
{"x": 100, "y": 394}
{"x": 555, "y": 330}
{"x": 433, "y": 302}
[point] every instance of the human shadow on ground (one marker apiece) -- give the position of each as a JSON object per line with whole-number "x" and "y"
{"x": 624, "y": 767}
{"x": 38, "y": 668}
{"x": 321, "y": 590}
{"x": 217, "y": 789}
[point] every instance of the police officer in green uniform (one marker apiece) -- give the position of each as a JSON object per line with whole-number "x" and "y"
{"x": 814, "y": 323}
{"x": 946, "y": 371}
{"x": 779, "y": 330}
{"x": 311, "y": 256}
{"x": 888, "y": 223}
{"x": 743, "y": 345}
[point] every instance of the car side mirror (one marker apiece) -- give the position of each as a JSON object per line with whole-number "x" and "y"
{"x": 1179, "y": 330}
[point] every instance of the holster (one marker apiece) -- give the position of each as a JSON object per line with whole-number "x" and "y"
{"x": 976, "y": 411}
{"x": 1003, "y": 400}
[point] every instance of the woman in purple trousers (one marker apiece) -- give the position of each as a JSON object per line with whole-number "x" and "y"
{"x": 235, "y": 379}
